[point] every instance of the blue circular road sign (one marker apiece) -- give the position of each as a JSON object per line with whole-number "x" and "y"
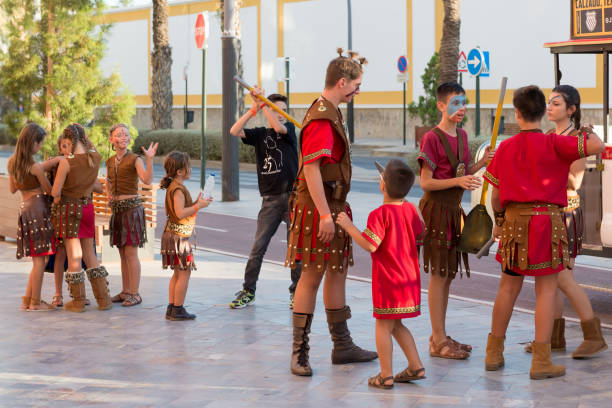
{"x": 474, "y": 62}
{"x": 402, "y": 64}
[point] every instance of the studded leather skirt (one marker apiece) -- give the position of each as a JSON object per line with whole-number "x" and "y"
{"x": 34, "y": 228}
{"x": 574, "y": 222}
{"x": 128, "y": 223}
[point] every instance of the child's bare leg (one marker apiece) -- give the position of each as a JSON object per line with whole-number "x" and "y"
{"x": 384, "y": 346}
{"x": 180, "y": 287}
{"x": 436, "y": 300}
{"x": 576, "y": 295}
{"x": 172, "y": 287}
{"x": 58, "y": 270}
{"x": 559, "y": 302}
{"x": 133, "y": 272}
{"x": 28, "y": 292}
{"x": 125, "y": 271}
{"x": 305, "y": 295}
{"x": 405, "y": 340}
{"x": 36, "y": 275}
{"x": 546, "y": 290}
{"x": 508, "y": 291}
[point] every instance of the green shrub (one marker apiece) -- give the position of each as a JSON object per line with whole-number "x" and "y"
{"x": 5, "y": 136}
{"x": 189, "y": 141}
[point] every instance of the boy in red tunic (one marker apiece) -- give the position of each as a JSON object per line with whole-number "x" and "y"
{"x": 529, "y": 179}
{"x": 445, "y": 173}
{"x": 390, "y": 237}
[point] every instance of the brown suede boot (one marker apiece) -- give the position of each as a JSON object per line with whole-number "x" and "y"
{"x": 494, "y": 360}
{"x": 299, "y": 355}
{"x": 99, "y": 285}
{"x": 76, "y": 287}
{"x": 345, "y": 351}
{"x": 25, "y": 303}
{"x": 594, "y": 341}
{"x": 557, "y": 339}
{"x": 541, "y": 364}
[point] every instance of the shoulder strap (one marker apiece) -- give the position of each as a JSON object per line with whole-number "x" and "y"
{"x": 452, "y": 158}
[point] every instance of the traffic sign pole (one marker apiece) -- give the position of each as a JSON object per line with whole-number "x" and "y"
{"x": 404, "y": 115}
{"x": 203, "y": 157}
{"x": 478, "y": 105}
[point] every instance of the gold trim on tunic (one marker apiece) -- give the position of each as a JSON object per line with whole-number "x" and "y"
{"x": 491, "y": 178}
{"x": 372, "y": 236}
{"x": 397, "y": 310}
{"x": 423, "y": 156}
{"x": 315, "y": 155}
{"x": 581, "y": 151}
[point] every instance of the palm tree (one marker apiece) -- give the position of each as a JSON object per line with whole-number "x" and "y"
{"x": 449, "y": 44}
{"x": 161, "y": 61}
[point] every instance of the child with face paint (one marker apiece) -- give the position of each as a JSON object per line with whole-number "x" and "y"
{"x": 446, "y": 172}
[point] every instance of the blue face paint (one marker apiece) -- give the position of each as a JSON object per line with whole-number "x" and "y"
{"x": 456, "y": 102}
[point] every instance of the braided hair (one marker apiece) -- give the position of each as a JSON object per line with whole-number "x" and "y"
{"x": 572, "y": 98}
{"x": 173, "y": 162}
{"x": 76, "y": 134}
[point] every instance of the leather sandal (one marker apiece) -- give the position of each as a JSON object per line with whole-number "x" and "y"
{"x": 58, "y": 300}
{"x": 447, "y": 349}
{"x": 461, "y": 346}
{"x": 379, "y": 382}
{"x": 408, "y": 375}
{"x": 120, "y": 297}
{"x": 132, "y": 300}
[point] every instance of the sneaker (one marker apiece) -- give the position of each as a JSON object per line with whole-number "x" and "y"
{"x": 291, "y": 295}
{"x": 243, "y": 299}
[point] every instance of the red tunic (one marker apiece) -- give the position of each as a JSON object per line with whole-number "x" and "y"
{"x": 433, "y": 155}
{"x": 320, "y": 142}
{"x": 396, "y": 279}
{"x": 533, "y": 167}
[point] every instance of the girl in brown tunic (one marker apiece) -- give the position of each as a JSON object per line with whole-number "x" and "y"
{"x": 176, "y": 248}
{"x": 34, "y": 230}
{"x": 74, "y": 219}
{"x": 127, "y": 224}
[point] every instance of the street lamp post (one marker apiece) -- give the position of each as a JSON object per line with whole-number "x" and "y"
{"x": 350, "y": 118}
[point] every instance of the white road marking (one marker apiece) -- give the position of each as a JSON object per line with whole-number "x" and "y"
{"x": 210, "y": 228}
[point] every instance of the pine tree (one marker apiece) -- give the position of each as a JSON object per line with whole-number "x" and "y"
{"x": 52, "y": 68}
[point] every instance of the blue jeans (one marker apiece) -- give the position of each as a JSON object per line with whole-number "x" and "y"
{"x": 273, "y": 211}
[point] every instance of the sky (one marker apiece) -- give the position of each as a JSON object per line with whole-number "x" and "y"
{"x": 116, "y": 3}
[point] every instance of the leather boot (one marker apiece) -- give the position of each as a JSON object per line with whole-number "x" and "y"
{"x": 345, "y": 351}
{"x": 180, "y": 313}
{"x": 99, "y": 285}
{"x": 299, "y": 354}
{"x": 541, "y": 364}
{"x": 494, "y": 360}
{"x": 76, "y": 287}
{"x": 557, "y": 339}
{"x": 594, "y": 341}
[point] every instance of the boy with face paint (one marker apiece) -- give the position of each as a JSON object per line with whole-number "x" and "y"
{"x": 446, "y": 172}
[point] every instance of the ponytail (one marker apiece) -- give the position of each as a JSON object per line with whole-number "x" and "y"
{"x": 165, "y": 182}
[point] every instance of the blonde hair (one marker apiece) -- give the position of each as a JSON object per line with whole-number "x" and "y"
{"x": 349, "y": 67}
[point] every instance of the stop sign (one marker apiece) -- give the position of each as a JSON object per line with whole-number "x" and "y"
{"x": 201, "y": 30}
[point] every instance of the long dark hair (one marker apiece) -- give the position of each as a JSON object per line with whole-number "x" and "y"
{"x": 173, "y": 162}
{"x": 21, "y": 162}
{"x": 572, "y": 98}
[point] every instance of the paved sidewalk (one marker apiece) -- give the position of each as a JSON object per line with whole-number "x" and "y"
{"x": 132, "y": 357}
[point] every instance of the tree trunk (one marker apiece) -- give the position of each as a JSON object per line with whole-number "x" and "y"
{"x": 161, "y": 61}
{"x": 449, "y": 44}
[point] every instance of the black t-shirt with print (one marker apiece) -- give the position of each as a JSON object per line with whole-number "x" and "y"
{"x": 277, "y": 158}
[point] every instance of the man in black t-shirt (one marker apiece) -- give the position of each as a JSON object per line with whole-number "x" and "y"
{"x": 276, "y": 153}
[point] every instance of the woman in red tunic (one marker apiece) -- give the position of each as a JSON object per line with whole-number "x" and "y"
{"x": 390, "y": 237}
{"x": 529, "y": 179}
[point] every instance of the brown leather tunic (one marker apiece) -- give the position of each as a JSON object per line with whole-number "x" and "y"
{"x": 179, "y": 226}
{"x": 30, "y": 181}
{"x": 81, "y": 178}
{"x": 123, "y": 176}
{"x": 336, "y": 183}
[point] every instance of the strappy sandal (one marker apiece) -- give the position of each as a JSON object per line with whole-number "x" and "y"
{"x": 408, "y": 375}
{"x": 40, "y": 306}
{"x": 379, "y": 382}
{"x": 447, "y": 349}
{"x": 132, "y": 300}
{"x": 58, "y": 301}
{"x": 120, "y": 297}
{"x": 461, "y": 346}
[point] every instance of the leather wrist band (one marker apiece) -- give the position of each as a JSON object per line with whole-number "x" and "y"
{"x": 326, "y": 216}
{"x": 500, "y": 218}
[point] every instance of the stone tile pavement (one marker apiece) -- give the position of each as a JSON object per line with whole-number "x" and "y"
{"x": 240, "y": 358}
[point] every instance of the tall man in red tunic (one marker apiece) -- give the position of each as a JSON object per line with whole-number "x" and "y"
{"x": 529, "y": 179}
{"x": 323, "y": 182}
